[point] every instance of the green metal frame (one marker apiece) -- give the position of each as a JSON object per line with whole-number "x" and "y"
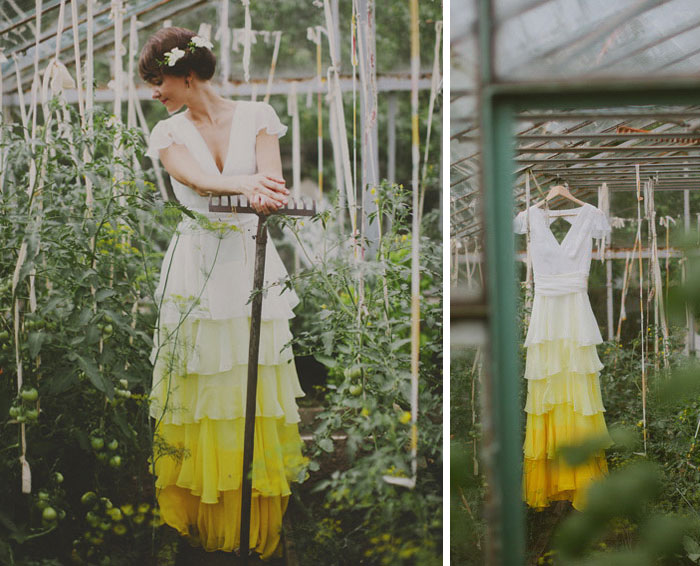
{"x": 499, "y": 105}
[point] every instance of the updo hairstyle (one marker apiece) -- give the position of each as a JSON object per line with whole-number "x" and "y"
{"x": 202, "y": 61}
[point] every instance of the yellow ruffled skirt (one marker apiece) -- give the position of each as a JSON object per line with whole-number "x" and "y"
{"x": 564, "y": 405}
{"x": 198, "y": 403}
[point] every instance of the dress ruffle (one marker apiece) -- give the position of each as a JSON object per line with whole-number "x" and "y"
{"x": 212, "y": 383}
{"x": 198, "y": 401}
{"x": 547, "y": 477}
{"x": 208, "y": 274}
{"x": 579, "y": 391}
{"x": 563, "y": 317}
{"x": 564, "y": 405}
{"x": 555, "y": 357}
{"x": 206, "y": 458}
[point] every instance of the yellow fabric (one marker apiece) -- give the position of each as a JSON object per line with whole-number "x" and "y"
{"x": 198, "y": 448}
{"x": 563, "y": 409}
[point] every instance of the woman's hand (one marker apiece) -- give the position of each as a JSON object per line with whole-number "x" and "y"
{"x": 266, "y": 193}
{"x": 263, "y": 205}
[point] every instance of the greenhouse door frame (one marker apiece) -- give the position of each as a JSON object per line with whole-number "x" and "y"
{"x": 499, "y": 105}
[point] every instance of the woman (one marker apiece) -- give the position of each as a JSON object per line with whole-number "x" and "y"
{"x": 218, "y": 147}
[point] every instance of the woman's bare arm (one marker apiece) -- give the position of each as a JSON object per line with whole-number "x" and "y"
{"x": 180, "y": 165}
{"x": 269, "y": 164}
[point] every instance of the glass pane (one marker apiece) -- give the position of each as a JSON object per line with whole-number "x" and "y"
{"x": 538, "y": 39}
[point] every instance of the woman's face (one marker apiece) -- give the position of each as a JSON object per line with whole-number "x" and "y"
{"x": 169, "y": 90}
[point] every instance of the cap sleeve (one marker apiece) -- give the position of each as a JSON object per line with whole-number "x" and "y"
{"x": 520, "y": 223}
{"x": 162, "y": 135}
{"x": 266, "y": 119}
{"x": 601, "y": 226}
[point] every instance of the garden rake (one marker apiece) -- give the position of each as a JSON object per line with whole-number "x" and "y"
{"x": 239, "y": 204}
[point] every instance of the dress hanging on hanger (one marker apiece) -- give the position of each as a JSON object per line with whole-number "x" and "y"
{"x": 564, "y": 405}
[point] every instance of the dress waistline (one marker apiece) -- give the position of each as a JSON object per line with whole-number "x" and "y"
{"x": 561, "y": 284}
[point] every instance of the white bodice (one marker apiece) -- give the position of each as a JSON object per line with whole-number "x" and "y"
{"x": 248, "y": 119}
{"x": 562, "y": 267}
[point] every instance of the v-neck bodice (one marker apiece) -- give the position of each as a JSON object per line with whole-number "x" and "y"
{"x": 207, "y": 149}
{"x": 569, "y": 259}
{"x": 249, "y": 118}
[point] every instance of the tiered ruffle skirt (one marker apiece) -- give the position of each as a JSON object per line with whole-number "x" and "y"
{"x": 564, "y": 405}
{"x": 198, "y": 396}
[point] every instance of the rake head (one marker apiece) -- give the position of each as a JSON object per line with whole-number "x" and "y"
{"x": 239, "y": 203}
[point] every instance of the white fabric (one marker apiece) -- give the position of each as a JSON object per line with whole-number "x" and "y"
{"x": 208, "y": 274}
{"x": 561, "y": 309}
{"x": 573, "y": 254}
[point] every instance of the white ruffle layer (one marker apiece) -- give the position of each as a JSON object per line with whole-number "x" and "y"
{"x": 212, "y": 384}
{"x": 567, "y": 317}
{"x": 554, "y": 357}
{"x": 209, "y": 274}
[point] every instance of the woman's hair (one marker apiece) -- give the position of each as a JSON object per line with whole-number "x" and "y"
{"x": 202, "y": 61}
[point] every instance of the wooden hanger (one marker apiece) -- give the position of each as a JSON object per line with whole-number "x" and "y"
{"x": 559, "y": 190}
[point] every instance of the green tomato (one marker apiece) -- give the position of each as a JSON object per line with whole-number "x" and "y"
{"x": 108, "y": 330}
{"x": 4, "y": 335}
{"x": 108, "y": 318}
{"x": 49, "y": 514}
{"x": 58, "y": 476}
{"x": 113, "y": 445}
{"x": 29, "y": 394}
{"x": 105, "y": 526}
{"x": 88, "y": 498}
{"x": 42, "y": 504}
{"x": 102, "y": 456}
{"x": 115, "y": 461}
{"x": 138, "y": 519}
{"x": 106, "y": 502}
{"x": 120, "y": 529}
{"x": 92, "y": 519}
{"x": 116, "y": 514}
{"x": 32, "y": 414}
{"x": 15, "y": 411}
{"x": 353, "y": 372}
{"x": 356, "y": 390}
{"x": 43, "y": 495}
{"x": 97, "y": 443}
{"x": 21, "y": 419}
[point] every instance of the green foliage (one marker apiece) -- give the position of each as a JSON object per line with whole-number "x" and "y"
{"x": 357, "y": 325}
{"x": 84, "y": 350}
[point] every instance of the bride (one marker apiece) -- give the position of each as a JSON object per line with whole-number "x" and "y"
{"x": 218, "y": 147}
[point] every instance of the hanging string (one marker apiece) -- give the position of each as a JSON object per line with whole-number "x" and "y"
{"x": 625, "y": 285}
{"x": 223, "y": 34}
{"x": 604, "y": 245}
{"x": 638, "y": 245}
{"x": 415, "y": 255}
{"x": 336, "y": 93}
{"x": 247, "y": 41}
{"x": 273, "y": 65}
{"x": 435, "y": 82}
{"x": 659, "y": 307}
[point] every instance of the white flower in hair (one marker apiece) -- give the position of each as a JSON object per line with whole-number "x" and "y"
{"x": 201, "y": 42}
{"x": 173, "y": 56}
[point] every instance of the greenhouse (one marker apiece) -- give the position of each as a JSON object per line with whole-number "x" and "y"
{"x": 574, "y": 213}
{"x": 175, "y": 387}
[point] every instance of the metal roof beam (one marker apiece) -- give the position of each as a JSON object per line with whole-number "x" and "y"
{"x": 630, "y": 159}
{"x": 607, "y": 149}
{"x": 660, "y": 116}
